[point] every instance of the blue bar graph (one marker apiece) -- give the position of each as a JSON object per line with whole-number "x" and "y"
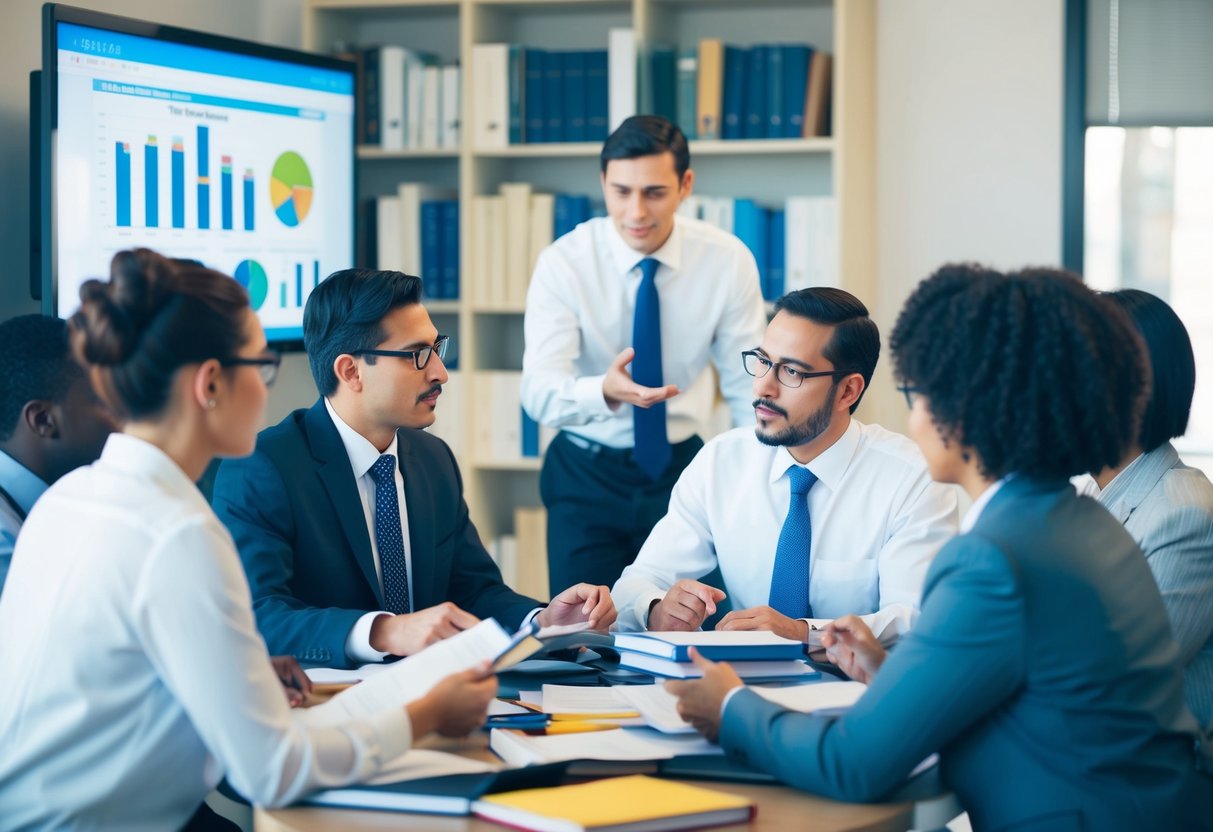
{"x": 122, "y": 178}
{"x": 315, "y": 273}
{"x": 299, "y": 283}
{"x": 178, "y": 180}
{"x": 204, "y": 177}
{"x": 249, "y": 211}
{"x": 151, "y": 183}
{"x": 225, "y": 192}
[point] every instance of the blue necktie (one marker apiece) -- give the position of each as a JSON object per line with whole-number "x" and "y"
{"x": 388, "y": 536}
{"x": 790, "y": 579}
{"x": 652, "y": 451}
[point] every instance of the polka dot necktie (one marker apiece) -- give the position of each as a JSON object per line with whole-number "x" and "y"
{"x": 652, "y": 451}
{"x": 790, "y": 578}
{"x": 389, "y": 537}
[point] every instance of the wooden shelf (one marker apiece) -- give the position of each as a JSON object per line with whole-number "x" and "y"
{"x": 499, "y": 310}
{"x": 371, "y": 5}
{"x": 443, "y": 307}
{"x": 368, "y": 152}
{"x": 527, "y": 464}
{"x": 541, "y": 150}
{"x": 763, "y": 147}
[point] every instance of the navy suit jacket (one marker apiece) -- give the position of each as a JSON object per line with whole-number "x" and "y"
{"x": 295, "y": 514}
{"x": 1042, "y": 670}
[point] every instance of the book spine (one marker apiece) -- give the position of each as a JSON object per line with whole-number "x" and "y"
{"x": 574, "y": 96}
{"x": 733, "y": 103}
{"x": 708, "y": 92}
{"x": 621, "y": 46}
{"x": 756, "y": 93}
{"x": 773, "y": 282}
{"x": 597, "y": 95}
{"x": 795, "y": 86}
{"x": 431, "y": 250}
{"x": 450, "y": 249}
{"x": 391, "y": 101}
{"x": 662, "y": 77}
{"x": 688, "y": 80}
{"x": 774, "y": 102}
{"x": 517, "y": 88}
{"x": 533, "y": 103}
{"x": 553, "y": 94}
{"x": 371, "y": 133}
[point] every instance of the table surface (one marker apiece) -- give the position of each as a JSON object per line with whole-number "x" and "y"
{"x": 779, "y": 809}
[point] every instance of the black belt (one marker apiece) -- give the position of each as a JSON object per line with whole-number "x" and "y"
{"x": 598, "y": 449}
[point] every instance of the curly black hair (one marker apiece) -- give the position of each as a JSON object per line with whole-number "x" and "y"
{"x": 1033, "y": 371}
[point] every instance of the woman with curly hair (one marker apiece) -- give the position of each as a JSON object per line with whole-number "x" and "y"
{"x": 134, "y": 675}
{"x": 1041, "y": 667}
{"x": 1165, "y": 505}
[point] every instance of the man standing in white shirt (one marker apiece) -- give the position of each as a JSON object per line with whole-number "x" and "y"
{"x": 623, "y": 315}
{"x": 809, "y": 516}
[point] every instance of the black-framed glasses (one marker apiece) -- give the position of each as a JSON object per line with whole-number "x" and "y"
{"x": 758, "y": 365}
{"x": 420, "y": 357}
{"x": 910, "y": 392}
{"x": 267, "y": 365}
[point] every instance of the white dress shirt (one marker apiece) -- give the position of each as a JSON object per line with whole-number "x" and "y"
{"x": 579, "y": 316}
{"x": 877, "y": 518}
{"x": 23, "y": 487}
{"x": 134, "y": 676}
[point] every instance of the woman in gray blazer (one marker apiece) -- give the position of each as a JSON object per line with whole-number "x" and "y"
{"x": 1165, "y": 505}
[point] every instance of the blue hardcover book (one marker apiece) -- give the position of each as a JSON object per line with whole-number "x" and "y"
{"x": 736, "y": 62}
{"x": 517, "y": 86}
{"x": 553, "y": 96}
{"x": 663, "y": 80}
{"x": 535, "y": 119}
{"x": 431, "y": 250}
{"x": 750, "y": 226}
{"x": 717, "y": 645}
{"x": 569, "y": 211}
{"x": 688, "y": 83}
{"x": 775, "y": 78}
{"x": 597, "y": 96}
{"x": 795, "y": 85}
{"x": 530, "y": 435}
{"x": 773, "y": 281}
{"x": 371, "y": 99}
{"x": 576, "y": 129}
{"x": 450, "y": 248}
{"x": 756, "y": 93}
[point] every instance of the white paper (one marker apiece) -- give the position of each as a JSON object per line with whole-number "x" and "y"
{"x": 657, "y": 706}
{"x": 621, "y": 744}
{"x": 573, "y": 699}
{"x": 820, "y": 696}
{"x": 420, "y": 763}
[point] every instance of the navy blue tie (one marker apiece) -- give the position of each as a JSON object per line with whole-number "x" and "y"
{"x": 652, "y": 451}
{"x": 388, "y": 536}
{"x": 790, "y": 578}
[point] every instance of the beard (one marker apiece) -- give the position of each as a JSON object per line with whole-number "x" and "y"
{"x": 803, "y": 433}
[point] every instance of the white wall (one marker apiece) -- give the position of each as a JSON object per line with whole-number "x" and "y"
{"x": 969, "y": 141}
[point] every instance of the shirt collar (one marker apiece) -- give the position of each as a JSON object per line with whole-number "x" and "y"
{"x": 1126, "y": 491}
{"x": 144, "y": 461}
{"x": 627, "y": 258}
{"x": 22, "y": 484}
{"x": 829, "y": 466}
{"x": 979, "y": 505}
{"x": 363, "y": 455}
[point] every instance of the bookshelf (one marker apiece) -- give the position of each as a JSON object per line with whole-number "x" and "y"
{"x": 489, "y": 337}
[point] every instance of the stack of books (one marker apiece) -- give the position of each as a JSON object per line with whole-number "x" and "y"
{"x": 756, "y": 656}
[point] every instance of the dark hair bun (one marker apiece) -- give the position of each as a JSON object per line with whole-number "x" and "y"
{"x": 115, "y": 315}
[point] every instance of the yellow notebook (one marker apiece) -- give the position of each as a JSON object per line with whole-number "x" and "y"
{"x": 618, "y": 804}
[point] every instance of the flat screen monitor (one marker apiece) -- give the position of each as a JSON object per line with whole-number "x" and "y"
{"x": 234, "y": 154}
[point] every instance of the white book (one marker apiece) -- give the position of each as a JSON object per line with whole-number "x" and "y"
{"x": 724, "y": 213}
{"x": 415, "y": 63}
{"x": 491, "y": 96}
{"x": 623, "y": 744}
{"x": 811, "y": 242}
{"x": 691, "y": 207}
{"x": 507, "y": 415}
{"x": 431, "y": 106}
{"x": 543, "y": 212}
{"x": 450, "y": 425}
{"x": 391, "y": 97}
{"x": 767, "y": 670}
{"x": 531, "y": 530}
{"x": 411, "y": 195}
{"x": 449, "y": 134}
{"x": 494, "y": 226}
{"x": 516, "y": 206}
{"x": 584, "y": 699}
{"x": 477, "y": 286}
{"x": 387, "y": 220}
{"x": 621, "y": 74}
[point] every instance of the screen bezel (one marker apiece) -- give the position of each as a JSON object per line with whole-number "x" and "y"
{"x": 48, "y": 115}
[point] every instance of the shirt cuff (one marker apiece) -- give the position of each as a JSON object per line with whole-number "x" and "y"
{"x": 587, "y": 392}
{"x": 643, "y": 607}
{"x": 358, "y": 642}
{"x": 530, "y": 616}
{"x": 728, "y": 697}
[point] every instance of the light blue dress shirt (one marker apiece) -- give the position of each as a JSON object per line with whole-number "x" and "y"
{"x": 23, "y": 487}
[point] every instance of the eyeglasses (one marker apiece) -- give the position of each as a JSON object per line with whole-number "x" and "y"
{"x": 758, "y": 365}
{"x": 420, "y": 357}
{"x": 267, "y": 365}
{"x": 910, "y": 392}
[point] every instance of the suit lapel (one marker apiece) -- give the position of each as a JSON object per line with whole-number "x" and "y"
{"x": 419, "y": 499}
{"x": 338, "y": 479}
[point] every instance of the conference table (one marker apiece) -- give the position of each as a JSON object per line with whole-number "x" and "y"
{"x": 780, "y": 809}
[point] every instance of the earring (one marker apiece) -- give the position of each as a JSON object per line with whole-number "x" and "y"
{"x": 210, "y": 404}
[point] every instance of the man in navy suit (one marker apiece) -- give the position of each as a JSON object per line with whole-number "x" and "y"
{"x": 350, "y": 519}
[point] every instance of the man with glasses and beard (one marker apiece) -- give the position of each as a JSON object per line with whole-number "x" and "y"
{"x": 811, "y": 515}
{"x": 349, "y": 518}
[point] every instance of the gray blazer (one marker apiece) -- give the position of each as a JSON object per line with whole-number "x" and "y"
{"x": 1041, "y": 669}
{"x": 1168, "y": 509}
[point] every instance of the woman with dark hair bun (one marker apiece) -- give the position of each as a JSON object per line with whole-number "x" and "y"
{"x": 1165, "y": 505}
{"x": 134, "y": 674}
{"x": 1041, "y": 667}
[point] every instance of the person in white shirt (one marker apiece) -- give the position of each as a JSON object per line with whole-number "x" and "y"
{"x": 139, "y": 678}
{"x": 51, "y": 422}
{"x": 623, "y": 315}
{"x": 859, "y": 542}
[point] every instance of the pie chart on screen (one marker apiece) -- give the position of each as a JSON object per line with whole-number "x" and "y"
{"x": 251, "y": 275}
{"x": 291, "y": 188}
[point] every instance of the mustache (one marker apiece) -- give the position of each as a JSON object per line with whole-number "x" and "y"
{"x": 770, "y": 405}
{"x": 437, "y": 388}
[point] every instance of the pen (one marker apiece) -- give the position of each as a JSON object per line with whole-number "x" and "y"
{"x": 572, "y": 728}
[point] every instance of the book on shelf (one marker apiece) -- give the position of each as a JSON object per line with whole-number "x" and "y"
{"x": 663, "y": 83}
{"x": 491, "y": 94}
{"x": 717, "y": 645}
{"x": 621, "y": 804}
{"x": 685, "y": 96}
{"x": 621, "y": 68}
{"x": 756, "y": 109}
{"x": 404, "y": 98}
{"x": 811, "y": 252}
{"x": 450, "y": 424}
{"x": 516, "y": 210}
{"x": 535, "y": 101}
{"x": 709, "y": 92}
{"x": 522, "y": 556}
{"x": 417, "y": 232}
{"x": 573, "y": 101}
{"x": 733, "y": 102}
{"x": 449, "y": 134}
{"x": 818, "y": 97}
